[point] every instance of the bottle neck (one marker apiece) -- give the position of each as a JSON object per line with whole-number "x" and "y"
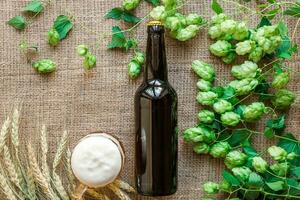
{"x": 156, "y": 64}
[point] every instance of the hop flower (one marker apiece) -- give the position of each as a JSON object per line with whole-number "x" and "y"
{"x": 215, "y": 31}
{"x": 220, "y": 149}
{"x": 53, "y": 37}
{"x": 254, "y": 111}
{"x": 187, "y": 33}
{"x": 206, "y": 116}
{"x": 235, "y": 159}
{"x": 201, "y": 148}
{"x": 277, "y": 153}
{"x": 204, "y": 85}
{"x": 199, "y": 134}
{"x": 220, "y": 48}
{"x": 245, "y": 47}
{"x": 211, "y": 187}
{"x": 241, "y": 31}
{"x": 44, "y": 66}
{"x": 218, "y": 19}
{"x": 283, "y": 98}
{"x": 242, "y": 173}
{"x": 256, "y": 54}
{"x": 291, "y": 156}
{"x": 280, "y": 169}
{"x": 89, "y": 61}
{"x": 139, "y": 57}
{"x": 203, "y": 70}
{"x": 82, "y": 50}
{"x": 134, "y": 69}
{"x": 222, "y": 106}
{"x": 173, "y": 23}
{"x": 229, "y": 58}
{"x": 280, "y": 80}
{"x": 194, "y": 19}
{"x": 230, "y": 119}
{"x": 259, "y": 164}
{"x": 225, "y": 186}
{"x": 246, "y": 70}
{"x": 158, "y": 13}
{"x": 207, "y": 98}
{"x": 130, "y": 4}
{"x": 244, "y": 86}
{"x": 228, "y": 26}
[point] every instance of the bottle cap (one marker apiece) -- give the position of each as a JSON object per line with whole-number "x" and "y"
{"x": 155, "y": 22}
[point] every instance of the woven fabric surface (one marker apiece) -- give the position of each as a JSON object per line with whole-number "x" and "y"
{"x": 102, "y": 100}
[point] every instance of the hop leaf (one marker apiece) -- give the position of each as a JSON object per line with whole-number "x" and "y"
{"x": 17, "y": 22}
{"x": 34, "y": 6}
{"x": 121, "y": 14}
{"x": 63, "y": 26}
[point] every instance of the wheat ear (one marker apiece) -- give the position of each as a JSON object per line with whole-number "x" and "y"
{"x": 68, "y": 168}
{"x": 124, "y": 186}
{"x": 60, "y": 150}
{"x": 44, "y": 148}
{"x": 6, "y": 189}
{"x": 97, "y": 195}
{"x": 38, "y": 176}
{"x": 4, "y": 133}
{"x": 59, "y": 187}
{"x": 121, "y": 195}
{"x": 15, "y": 130}
{"x": 31, "y": 184}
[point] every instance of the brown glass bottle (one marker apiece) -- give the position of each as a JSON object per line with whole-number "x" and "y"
{"x": 156, "y": 122}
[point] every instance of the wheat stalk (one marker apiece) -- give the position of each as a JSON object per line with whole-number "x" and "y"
{"x": 121, "y": 195}
{"x": 60, "y": 150}
{"x": 38, "y": 176}
{"x": 4, "y": 133}
{"x": 6, "y": 189}
{"x": 97, "y": 195}
{"x": 59, "y": 187}
{"x": 124, "y": 186}
{"x": 44, "y": 148}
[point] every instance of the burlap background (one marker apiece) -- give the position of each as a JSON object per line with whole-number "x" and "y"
{"x": 103, "y": 99}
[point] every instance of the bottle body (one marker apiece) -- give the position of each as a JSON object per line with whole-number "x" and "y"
{"x": 156, "y": 127}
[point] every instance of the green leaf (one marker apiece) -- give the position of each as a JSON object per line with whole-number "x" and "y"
{"x": 216, "y": 7}
{"x": 63, "y": 25}
{"x": 294, "y": 186}
{"x": 121, "y": 14}
{"x": 272, "y": 13}
{"x": 293, "y": 11}
{"x": 249, "y": 150}
{"x": 17, "y": 22}
{"x": 229, "y": 95}
{"x": 118, "y": 38}
{"x": 296, "y": 172}
{"x": 269, "y": 132}
{"x": 154, "y": 2}
{"x": 251, "y": 195}
{"x": 262, "y": 89}
{"x": 219, "y": 90}
{"x": 230, "y": 178}
{"x": 264, "y": 22}
{"x": 255, "y": 180}
{"x": 289, "y": 143}
{"x": 34, "y": 6}
{"x": 277, "y": 123}
{"x": 238, "y": 137}
{"x": 276, "y": 186}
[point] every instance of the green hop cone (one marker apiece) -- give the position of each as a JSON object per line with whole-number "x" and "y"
{"x": 254, "y": 111}
{"x": 134, "y": 69}
{"x": 158, "y": 13}
{"x": 207, "y": 198}
{"x": 221, "y": 106}
{"x": 229, "y": 58}
{"x": 206, "y": 116}
{"x": 139, "y": 57}
{"x": 220, "y": 48}
{"x": 194, "y": 19}
{"x": 199, "y": 134}
{"x": 82, "y": 50}
{"x": 44, "y": 66}
{"x": 275, "y": 43}
{"x": 90, "y": 61}
{"x": 230, "y": 119}
{"x": 218, "y": 19}
{"x": 241, "y": 173}
{"x": 204, "y": 85}
{"x": 244, "y": 86}
{"x": 280, "y": 169}
{"x": 228, "y": 26}
{"x": 53, "y": 37}
{"x": 187, "y": 33}
{"x": 207, "y": 98}
{"x": 211, "y": 187}
{"x": 201, "y": 148}
{"x": 256, "y": 54}
{"x": 173, "y": 23}
{"x": 246, "y": 70}
{"x": 241, "y": 31}
{"x": 225, "y": 186}
{"x": 283, "y": 98}
{"x": 215, "y": 31}
{"x": 245, "y": 47}
{"x": 291, "y": 156}
{"x": 259, "y": 164}
{"x": 280, "y": 80}
{"x": 220, "y": 149}
{"x": 130, "y": 4}
{"x": 203, "y": 70}
{"x": 235, "y": 159}
{"x": 277, "y": 153}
